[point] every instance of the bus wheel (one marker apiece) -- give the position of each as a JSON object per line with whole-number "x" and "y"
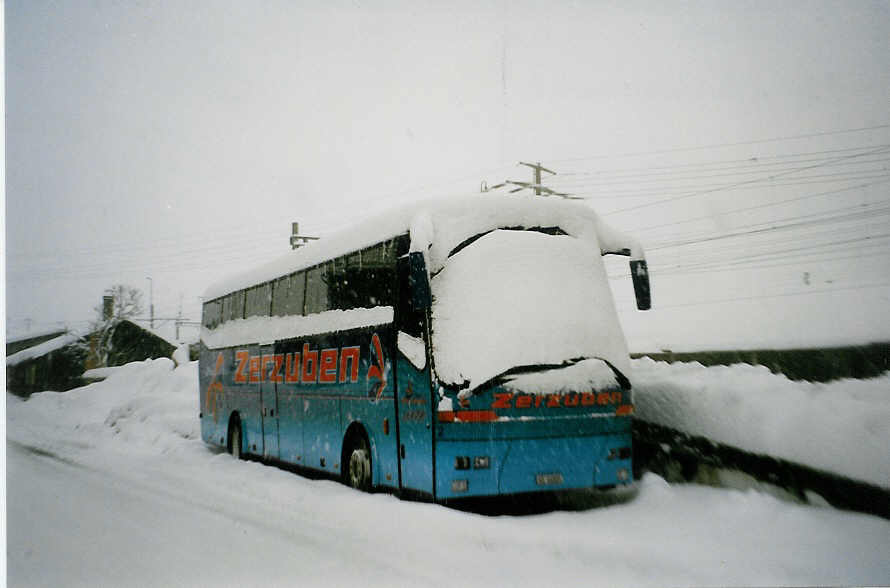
{"x": 358, "y": 473}
{"x": 235, "y": 438}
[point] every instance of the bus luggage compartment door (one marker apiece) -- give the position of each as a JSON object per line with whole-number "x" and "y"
{"x": 269, "y": 403}
{"x": 415, "y": 426}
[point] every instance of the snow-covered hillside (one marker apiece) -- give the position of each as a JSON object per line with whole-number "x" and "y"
{"x": 109, "y": 484}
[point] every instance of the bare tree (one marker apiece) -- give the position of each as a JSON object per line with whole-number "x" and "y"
{"x": 126, "y": 303}
{"x": 121, "y": 302}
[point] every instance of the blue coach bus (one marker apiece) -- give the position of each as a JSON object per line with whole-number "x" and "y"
{"x": 467, "y": 347}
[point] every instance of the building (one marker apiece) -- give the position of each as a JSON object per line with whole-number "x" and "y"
{"x": 57, "y": 362}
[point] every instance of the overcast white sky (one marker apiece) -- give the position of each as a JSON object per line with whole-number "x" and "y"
{"x": 178, "y": 140}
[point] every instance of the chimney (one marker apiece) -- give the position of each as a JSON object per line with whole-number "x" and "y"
{"x": 107, "y": 307}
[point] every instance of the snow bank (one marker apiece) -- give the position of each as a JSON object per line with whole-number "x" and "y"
{"x": 100, "y": 373}
{"x": 143, "y": 406}
{"x": 515, "y": 298}
{"x": 42, "y": 349}
{"x": 181, "y": 355}
{"x": 841, "y": 426}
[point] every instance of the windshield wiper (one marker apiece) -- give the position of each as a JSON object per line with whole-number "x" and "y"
{"x": 543, "y": 367}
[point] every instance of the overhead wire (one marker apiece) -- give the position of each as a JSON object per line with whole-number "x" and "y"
{"x": 764, "y": 205}
{"x": 858, "y": 214}
{"x": 751, "y": 181}
{"x": 728, "y": 144}
{"x": 690, "y": 175}
{"x": 747, "y": 161}
{"x": 615, "y": 194}
{"x": 782, "y": 295}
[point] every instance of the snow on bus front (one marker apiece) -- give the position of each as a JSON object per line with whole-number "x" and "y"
{"x": 517, "y": 298}
{"x": 573, "y": 398}
{"x": 531, "y": 364}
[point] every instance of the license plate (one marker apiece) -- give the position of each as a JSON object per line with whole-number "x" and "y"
{"x": 548, "y": 479}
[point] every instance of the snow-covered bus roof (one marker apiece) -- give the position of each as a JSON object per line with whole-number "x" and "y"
{"x": 435, "y": 228}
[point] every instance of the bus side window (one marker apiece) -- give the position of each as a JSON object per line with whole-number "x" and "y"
{"x": 258, "y": 301}
{"x": 316, "y": 290}
{"x": 211, "y": 314}
{"x": 409, "y": 318}
{"x": 287, "y": 298}
{"x": 237, "y": 305}
{"x": 226, "y": 313}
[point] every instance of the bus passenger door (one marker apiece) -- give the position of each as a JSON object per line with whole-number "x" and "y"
{"x": 414, "y": 396}
{"x": 415, "y": 420}
{"x": 271, "y": 373}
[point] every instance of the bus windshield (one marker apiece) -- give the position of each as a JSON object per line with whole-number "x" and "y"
{"x": 515, "y": 298}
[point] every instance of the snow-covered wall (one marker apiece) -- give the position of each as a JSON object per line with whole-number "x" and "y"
{"x": 841, "y": 426}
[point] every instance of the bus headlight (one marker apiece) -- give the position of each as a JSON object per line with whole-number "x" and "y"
{"x": 462, "y": 462}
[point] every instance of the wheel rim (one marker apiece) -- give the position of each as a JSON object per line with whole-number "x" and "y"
{"x": 360, "y": 468}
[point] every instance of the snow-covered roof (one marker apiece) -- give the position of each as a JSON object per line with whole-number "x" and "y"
{"x": 158, "y": 332}
{"x": 42, "y": 349}
{"x": 18, "y": 337}
{"x": 436, "y": 227}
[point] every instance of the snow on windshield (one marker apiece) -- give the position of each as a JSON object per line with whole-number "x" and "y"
{"x": 584, "y": 376}
{"x": 516, "y": 298}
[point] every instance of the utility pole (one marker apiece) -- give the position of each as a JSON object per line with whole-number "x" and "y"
{"x": 296, "y": 239}
{"x": 179, "y": 317}
{"x": 151, "y": 301}
{"x": 540, "y": 190}
{"x": 538, "y": 169}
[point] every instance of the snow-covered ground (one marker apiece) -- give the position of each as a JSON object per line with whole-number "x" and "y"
{"x": 109, "y": 484}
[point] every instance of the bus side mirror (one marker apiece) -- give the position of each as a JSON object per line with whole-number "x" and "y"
{"x": 639, "y": 273}
{"x": 418, "y": 281}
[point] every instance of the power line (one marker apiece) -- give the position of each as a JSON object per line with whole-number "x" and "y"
{"x": 747, "y": 161}
{"x": 711, "y": 169}
{"x": 763, "y": 296}
{"x": 773, "y": 254}
{"x": 868, "y": 214}
{"x": 700, "y": 188}
{"x": 718, "y": 266}
{"x": 722, "y": 145}
{"x": 755, "y": 180}
{"x": 761, "y": 206}
{"x": 668, "y": 178}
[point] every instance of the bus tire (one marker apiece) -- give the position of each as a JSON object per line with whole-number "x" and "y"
{"x": 357, "y": 470}
{"x": 234, "y": 445}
